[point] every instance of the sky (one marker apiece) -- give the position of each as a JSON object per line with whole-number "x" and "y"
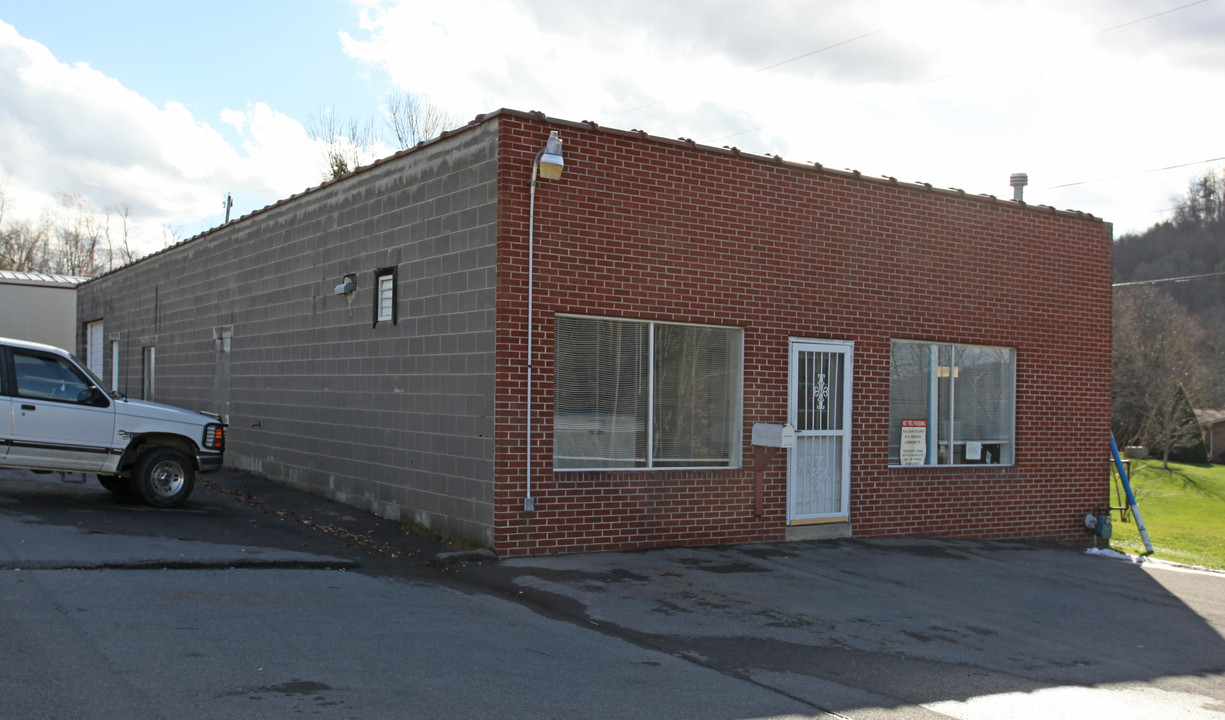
{"x": 162, "y": 109}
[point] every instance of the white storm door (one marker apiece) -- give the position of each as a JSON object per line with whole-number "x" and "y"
{"x": 819, "y": 407}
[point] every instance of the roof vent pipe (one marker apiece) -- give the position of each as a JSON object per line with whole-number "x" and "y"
{"x": 1018, "y": 182}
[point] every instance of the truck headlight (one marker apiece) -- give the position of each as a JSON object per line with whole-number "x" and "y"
{"x": 214, "y": 437}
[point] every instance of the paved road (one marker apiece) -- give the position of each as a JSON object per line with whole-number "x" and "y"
{"x": 255, "y": 600}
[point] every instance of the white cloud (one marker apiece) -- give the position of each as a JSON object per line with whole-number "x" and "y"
{"x": 954, "y": 93}
{"x": 234, "y": 118}
{"x": 280, "y": 156}
{"x": 70, "y": 128}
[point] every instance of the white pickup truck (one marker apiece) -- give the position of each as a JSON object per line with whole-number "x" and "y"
{"x": 55, "y": 415}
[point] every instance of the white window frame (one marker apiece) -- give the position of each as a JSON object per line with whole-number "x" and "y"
{"x": 385, "y": 296}
{"x": 942, "y": 438}
{"x": 650, "y": 462}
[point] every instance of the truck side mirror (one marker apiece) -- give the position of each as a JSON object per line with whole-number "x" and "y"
{"x": 92, "y": 396}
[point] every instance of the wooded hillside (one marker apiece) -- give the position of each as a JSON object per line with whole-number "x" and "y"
{"x": 1169, "y": 334}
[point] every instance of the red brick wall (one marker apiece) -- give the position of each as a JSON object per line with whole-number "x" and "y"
{"x": 647, "y": 228}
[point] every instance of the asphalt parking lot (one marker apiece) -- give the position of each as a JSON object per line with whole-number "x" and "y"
{"x": 866, "y": 629}
{"x": 916, "y": 628}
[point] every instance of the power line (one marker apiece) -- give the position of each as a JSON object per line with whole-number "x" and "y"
{"x": 736, "y": 134}
{"x": 861, "y": 37}
{"x": 865, "y": 35}
{"x": 807, "y": 54}
{"x": 1150, "y": 17}
{"x": 1185, "y": 278}
{"x": 1134, "y": 174}
{"x": 937, "y": 12}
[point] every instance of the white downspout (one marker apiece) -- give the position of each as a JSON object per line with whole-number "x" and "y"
{"x": 529, "y": 502}
{"x": 552, "y": 154}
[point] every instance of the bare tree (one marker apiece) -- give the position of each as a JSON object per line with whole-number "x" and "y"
{"x": 412, "y": 118}
{"x": 171, "y": 235}
{"x": 1156, "y": 373}
{"x": 77, "y": 238}
{"x": 71, "y": 238}
{"x": 351, "y": 142}
{"x": 120, "y": 251}
{"x": 23, "y": 247}
{"x": 348, "y": 142}
{"x": 1204, "y": 200}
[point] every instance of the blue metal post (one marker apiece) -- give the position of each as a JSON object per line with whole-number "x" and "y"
{"x": 1131, "y": 498}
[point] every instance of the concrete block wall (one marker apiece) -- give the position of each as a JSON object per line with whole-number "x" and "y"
{"x": 395, "y": 418}
{"x": 649, "y": 228}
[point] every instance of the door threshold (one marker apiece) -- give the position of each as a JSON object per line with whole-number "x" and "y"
{"x": 819, "y": 521}
{"x": 820, "y": 531}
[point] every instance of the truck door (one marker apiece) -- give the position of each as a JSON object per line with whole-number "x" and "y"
{"x": 60, "y": 419}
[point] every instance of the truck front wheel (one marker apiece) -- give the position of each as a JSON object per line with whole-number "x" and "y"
{"x": 164, "y": 477}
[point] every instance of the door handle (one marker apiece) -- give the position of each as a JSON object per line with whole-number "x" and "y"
{"x": 28, "y": 407}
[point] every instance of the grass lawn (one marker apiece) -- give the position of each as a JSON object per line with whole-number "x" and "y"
{"x": 1183, "y": 509}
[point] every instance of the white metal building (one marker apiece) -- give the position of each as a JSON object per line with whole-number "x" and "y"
{"x": 39, "y": 307}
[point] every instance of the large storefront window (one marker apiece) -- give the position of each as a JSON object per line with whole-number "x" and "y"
{"x": 633, "y": 394}
{"x": 951, "y": 404}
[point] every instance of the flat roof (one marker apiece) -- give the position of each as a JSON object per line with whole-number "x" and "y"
{"x": 16, "y": 277}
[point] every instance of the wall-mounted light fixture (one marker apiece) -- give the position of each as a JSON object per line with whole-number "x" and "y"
{"x": 347, "y": 285}
{"x": 549, "y": 159}
{"x": 549, "y": 163}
